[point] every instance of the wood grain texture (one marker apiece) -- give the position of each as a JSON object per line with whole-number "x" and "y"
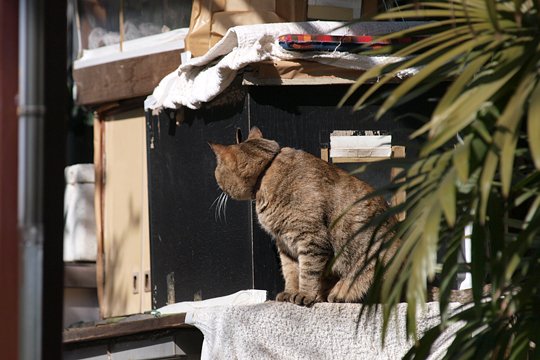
{"x": 127, "y": 326}
{"x": 98, "y": 205}
{"x": 123, "y": 79}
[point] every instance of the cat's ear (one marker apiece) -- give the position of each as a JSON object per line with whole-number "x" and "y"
{"x": 255, "y": 133}
{"x": 218, "y": 149}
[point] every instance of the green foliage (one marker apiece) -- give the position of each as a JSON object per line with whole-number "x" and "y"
{"x": 487, "y": 55}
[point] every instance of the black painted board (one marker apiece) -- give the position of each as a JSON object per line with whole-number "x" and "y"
{"x": 203, "y": 256}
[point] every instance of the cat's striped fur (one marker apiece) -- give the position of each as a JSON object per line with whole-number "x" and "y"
{"x": 298, "y": 197}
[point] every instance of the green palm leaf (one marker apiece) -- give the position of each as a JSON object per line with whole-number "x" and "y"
{"x": 487, "y": 54}
{"x": 533, "y": 124}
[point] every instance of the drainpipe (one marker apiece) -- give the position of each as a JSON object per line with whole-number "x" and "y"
{"x": 30, "y": 195}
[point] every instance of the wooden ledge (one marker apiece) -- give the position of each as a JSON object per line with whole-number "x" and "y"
{"x": 123, "y": 79}
{"x": 126, "y": 326}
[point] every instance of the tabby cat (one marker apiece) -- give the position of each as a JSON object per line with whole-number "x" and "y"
{"x": 298, "y": 197}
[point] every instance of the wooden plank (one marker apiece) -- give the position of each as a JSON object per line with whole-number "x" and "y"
{"x": 123, "y": 79}
{"x": 99, "y": 202}
{"x": 125, "y": 327}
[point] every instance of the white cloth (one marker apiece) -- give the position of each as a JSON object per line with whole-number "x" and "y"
{"x": 243, "y": 297}
{"x": 325, "y": 331}
{"x": 203, "y": 78}
{"x": 80, "y": 220}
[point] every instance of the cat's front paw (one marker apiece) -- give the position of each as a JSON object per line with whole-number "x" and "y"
{"x": 334, "y": 298}
{"x": 298, "y": 298}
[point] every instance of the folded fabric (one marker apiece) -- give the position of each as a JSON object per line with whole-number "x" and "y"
{"x": 275, "y": 330}
{"x": 203, "y": 78}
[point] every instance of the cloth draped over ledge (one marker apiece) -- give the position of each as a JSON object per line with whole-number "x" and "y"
{"x": 201, "y": 79}
{"x": 273, "y": 330}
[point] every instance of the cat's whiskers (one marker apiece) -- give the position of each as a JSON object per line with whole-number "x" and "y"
{"x": 220, "y": 206}
{"x": 216, "y": 204}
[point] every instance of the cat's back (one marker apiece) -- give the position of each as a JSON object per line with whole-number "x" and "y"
{"x": 303, "y": 169}
{"x": 297, "y": 174}
{"x": 307, "y": 169}
{"x": 301, "y": 176}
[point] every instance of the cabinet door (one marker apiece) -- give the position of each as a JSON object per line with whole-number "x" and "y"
{"x": 124, "y": 218}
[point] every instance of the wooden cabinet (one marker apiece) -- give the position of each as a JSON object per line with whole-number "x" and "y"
{"x": 122, "y": 207}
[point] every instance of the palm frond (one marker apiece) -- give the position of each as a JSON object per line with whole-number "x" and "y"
{"x": 486, "y": 53}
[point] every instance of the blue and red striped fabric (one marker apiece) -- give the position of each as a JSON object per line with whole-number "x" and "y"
{"x": 319, "y": 42}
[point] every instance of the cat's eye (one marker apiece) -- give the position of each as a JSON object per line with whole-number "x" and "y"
{"x": 238, "y": 135}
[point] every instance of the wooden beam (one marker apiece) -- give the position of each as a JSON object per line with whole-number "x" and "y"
{"x": 123, "y": 79}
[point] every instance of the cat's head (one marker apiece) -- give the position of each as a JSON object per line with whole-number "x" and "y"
{"x": 239, "y": 165}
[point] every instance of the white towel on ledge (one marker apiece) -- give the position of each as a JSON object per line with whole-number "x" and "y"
{"x": 325, "y": 331}
{"x": 203, "y": 78}
{"x": 242, "y": 297}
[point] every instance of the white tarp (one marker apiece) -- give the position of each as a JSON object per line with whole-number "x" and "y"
{"x": 203, "y": 78}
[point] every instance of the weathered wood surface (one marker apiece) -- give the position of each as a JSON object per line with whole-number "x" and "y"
{"x": 123, "y": 79}
{"x": 123, "y": 327}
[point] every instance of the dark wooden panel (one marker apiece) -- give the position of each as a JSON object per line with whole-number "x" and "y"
{"x": 123, "y": 79}
{"x": 206, "y": 256}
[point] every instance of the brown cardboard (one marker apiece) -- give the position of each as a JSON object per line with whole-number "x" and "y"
{"x": 210, "y": 19}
